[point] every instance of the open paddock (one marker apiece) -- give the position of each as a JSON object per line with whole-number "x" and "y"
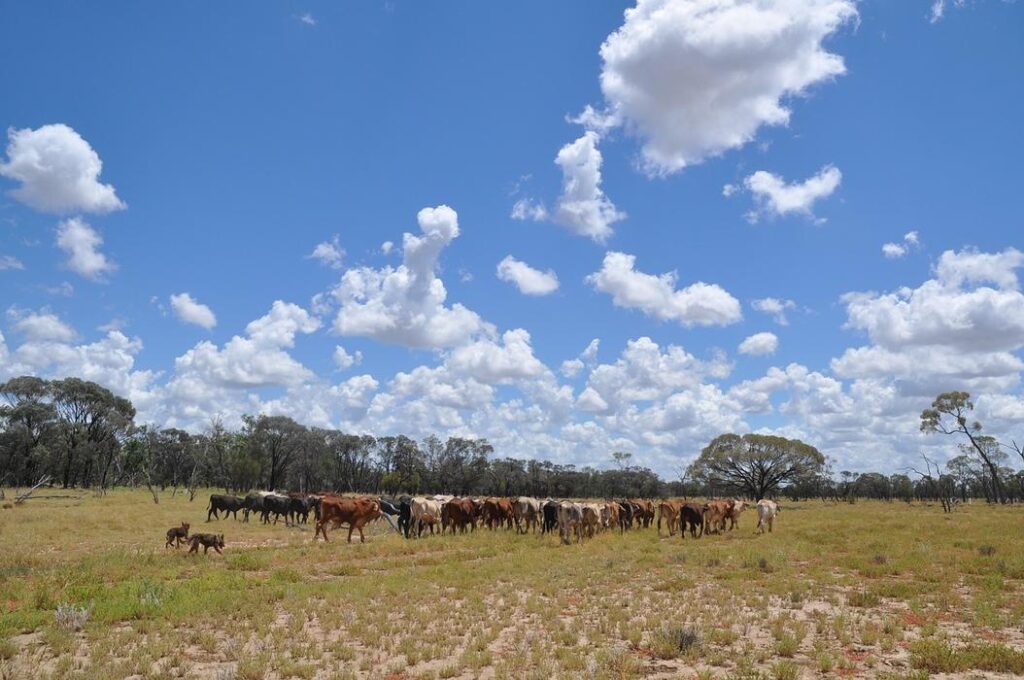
{"x": 865, "y": 590}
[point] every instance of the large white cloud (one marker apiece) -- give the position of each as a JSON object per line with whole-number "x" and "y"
{"x": 775, "y": 197}
{"x": 256, "y": 359}
{"x": 699, "y": 304}
{"x": 528, "y": 280}
{"x": 583, "y": 206}
{"x": 82, "y": 245}
{"x": 695, "y": 78}
{"x": 58, "y": 170}
{"x": 190, "y": 310}
{"x": 493, "y": 362}
{"x": 405, "y": 305}
{"x": 39, "y": 326}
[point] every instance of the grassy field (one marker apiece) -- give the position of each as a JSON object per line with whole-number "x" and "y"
{"x": 865, "y": 590}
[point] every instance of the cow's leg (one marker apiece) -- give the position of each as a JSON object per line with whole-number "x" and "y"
{"x": 352, "y": 526}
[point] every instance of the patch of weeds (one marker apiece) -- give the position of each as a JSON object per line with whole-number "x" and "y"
{"x": 880, "y": 559}
{"x": 673, "y": 641}
{"x": 7, "y": 649}
{"x": 247, "y": 561}
{"x": 70, "y": 617}
{"x": 863, "y": 598}
{"x": 936, "y": 656}
{"x": 787, "y": 646}
{"x": 785, "y": 670}
{"x": 825, "y": 662}
{"x": 986, "y": 550}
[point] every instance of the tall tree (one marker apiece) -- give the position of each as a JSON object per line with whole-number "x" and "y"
{"x": 950, "y": 414}
{"x": 755, "y": 464}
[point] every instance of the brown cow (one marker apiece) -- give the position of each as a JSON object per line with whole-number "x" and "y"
{"x": 498, "y": 511}
{"x": 669, "y": 510}
{"x": 355, "y": 512}
{"x": 458, "y": 513}
{"x": 715, "y": 513}
{"x": 645, "y": 517}
{"x": 691, "y": 515}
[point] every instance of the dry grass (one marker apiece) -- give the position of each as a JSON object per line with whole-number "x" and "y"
{"x": 869, "y": 590}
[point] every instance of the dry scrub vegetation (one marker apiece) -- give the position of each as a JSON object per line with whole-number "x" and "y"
{"x": 865, "y": 590}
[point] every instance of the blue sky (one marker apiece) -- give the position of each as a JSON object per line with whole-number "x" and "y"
{"x": 235, "y": 140}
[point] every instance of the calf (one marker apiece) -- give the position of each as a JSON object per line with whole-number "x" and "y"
{"x": 457, "y": 514}
{"x": 177, "y": 535}
{"x": 766, "y": 512}
{"x": 715, "y": 513}
{"x": 355, "y": 512}
{"x": 215, "y": 541}
{"x": 226, "y": 504}
{"x": 736, "y": 509}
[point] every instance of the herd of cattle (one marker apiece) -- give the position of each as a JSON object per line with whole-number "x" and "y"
{"x": 573, "y": 520}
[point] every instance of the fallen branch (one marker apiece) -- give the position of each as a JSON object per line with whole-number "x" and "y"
{"x": 21, "y": 498}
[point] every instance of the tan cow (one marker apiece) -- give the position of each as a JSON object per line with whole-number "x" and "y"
{"x": 669, "y": 511}
{"x": 736, "y": 508}
{"x": 766, "y": 512}
{"x": 715, "y": 516}
{"x": 591, "y": 513}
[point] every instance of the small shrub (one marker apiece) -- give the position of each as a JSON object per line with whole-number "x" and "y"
{"x": 785, "y": 670}
{"x": 986, "y": 550}
{"x": 765, "y": 566}
{"x": 880, "y": 559}
{"x": 825, "y": 662}
{"x": 863, "y": 598}
{"x": 70, "y": 617}
{"x": 787, "y": 646}
{"x": 7, "y": 649}
{"x": 673, "y": 641}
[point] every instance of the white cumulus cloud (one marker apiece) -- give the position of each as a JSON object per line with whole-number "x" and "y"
{"x": 405, "y": 305}
{"x": 583, "y": 206}
{"x": 58, "y": 170}
{"x": 699, "y": 304}
{"x": 760, "y": 344}
{"x": 774, "y": 306}
{"x": 329, "y": 253}
{"x": 528, "y": 280}
{"x": 81, "y": 243}
{"x": 343, "y": 360}
{"x": 695, "y": 78}
{"x": 774, "y": 196}
{"x": 190, "y": 310}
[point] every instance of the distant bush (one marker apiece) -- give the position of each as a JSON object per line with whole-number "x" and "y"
{"x": 70, "y": 617}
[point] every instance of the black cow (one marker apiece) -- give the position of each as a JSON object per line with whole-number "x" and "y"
{"x": 225, "y": 504}
{"x": 550, "y": 522}
{"x": 253, "y": 502}
{"x": 300, "y": 507}
{"x": 277, "y": 506}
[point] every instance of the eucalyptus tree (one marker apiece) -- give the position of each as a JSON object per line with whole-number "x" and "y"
{"x": 755, "y": 464}
{"x": 950, "y": 414}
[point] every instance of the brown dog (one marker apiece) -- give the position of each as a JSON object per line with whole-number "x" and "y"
{"x": 215, "y": 541}
{"x": 177, "y": 535}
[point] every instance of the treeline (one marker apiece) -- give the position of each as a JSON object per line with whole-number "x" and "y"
{"x": 78, "y": 434}
{"x": 75, "y": 433}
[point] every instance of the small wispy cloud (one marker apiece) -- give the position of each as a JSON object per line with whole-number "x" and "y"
{"x": 307, "y": 19}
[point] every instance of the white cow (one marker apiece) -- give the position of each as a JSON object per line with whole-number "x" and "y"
{"x": 570, "y": 521}
{"x": 766, "y": 512}
{"x": 423, "y": 511}
{"x": 528, "y": 512}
